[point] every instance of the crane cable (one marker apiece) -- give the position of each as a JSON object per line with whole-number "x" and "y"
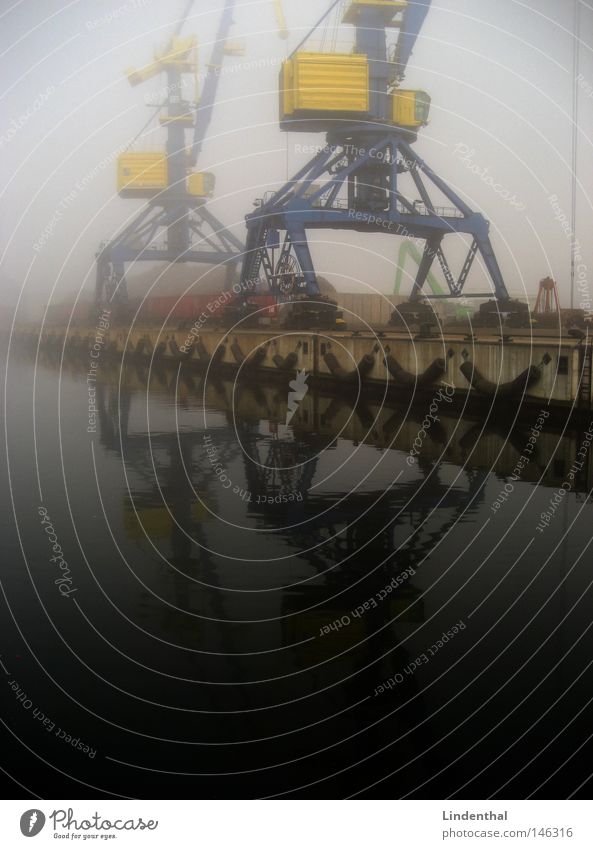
{"x": 335, "y": 27}
{"x": 331, "y": 28}
{"x": 575, "y": 142}
{"x": 150, "y": 120}
{"x": 314, "y": 27}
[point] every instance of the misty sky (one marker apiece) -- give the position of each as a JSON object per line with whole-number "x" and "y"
{"x": 500, "y": 75}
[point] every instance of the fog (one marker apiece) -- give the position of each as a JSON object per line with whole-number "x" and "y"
{"x": 501, "y": 79}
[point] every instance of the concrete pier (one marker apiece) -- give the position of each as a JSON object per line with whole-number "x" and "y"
{"x": 554, "y": 369}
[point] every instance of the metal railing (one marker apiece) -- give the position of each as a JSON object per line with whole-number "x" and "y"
{"x": 421, "y": 209}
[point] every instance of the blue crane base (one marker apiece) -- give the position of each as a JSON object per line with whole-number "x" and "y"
{"x": 190, "y": 232}
{"x": 353, "y": 184}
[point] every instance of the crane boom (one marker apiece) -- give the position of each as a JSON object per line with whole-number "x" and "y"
{"x": 413, "y": 18}
{"x": 210, "y": 87}
{"x": 183, "y": 19}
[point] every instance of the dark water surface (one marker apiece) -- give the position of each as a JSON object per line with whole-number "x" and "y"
{"x": 235, "y": 593}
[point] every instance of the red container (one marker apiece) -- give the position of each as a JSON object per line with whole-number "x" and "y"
{"x": 191, "y": 307}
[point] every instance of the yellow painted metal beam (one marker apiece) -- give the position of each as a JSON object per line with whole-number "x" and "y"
{"x": 281, "y": 19}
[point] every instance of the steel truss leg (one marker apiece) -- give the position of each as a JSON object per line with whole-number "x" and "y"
{"x": 431, "y": 249}
{"x": 300, "y": 246}
{"x": 481, "y": 239}
{"x": 301, "y": 205}
{"x": 489, "y": 257}
{"x": 254, "y": 250}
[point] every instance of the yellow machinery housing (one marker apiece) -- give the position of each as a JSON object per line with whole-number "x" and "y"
{"x": 318, "y": 86}
{"x": 141, "y": 175}
{"x": 201, "y": 184}
{"x": 145, "y": 175}
{"x": 315, "y": 84}
{"x": 410, "y": 108}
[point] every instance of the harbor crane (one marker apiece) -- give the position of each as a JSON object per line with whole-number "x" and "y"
{"x": 356, "y": 180}
{"x": 175, "y": 224}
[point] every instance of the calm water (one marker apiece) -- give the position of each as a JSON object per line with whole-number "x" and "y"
{"x": 245, "y": 608}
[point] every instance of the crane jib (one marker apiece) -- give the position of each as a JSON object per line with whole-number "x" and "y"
{"x": 413, "y": 18}
{"x": 208, "y": 99}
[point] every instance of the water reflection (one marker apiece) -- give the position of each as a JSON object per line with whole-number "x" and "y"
{"x": 255, "y": 581}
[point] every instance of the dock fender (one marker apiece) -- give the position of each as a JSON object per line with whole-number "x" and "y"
{"x": 177, "y": 352}
{"x": 363, "y": 368}
{"x": 289, "y": 362}
{"x": 218, "y": 356}
{"x": 186, "y": 377}
{"x": 367, "y": 419}
{"x": 256, "y": 360}
{"x": 74, "y": 342}
{"x": 335, "y": 406}
{"x": 516, "y": 436}
{"x": 202, "y": 350}
{"x": 393, "y": 425}
{"x": 517, "y": 386}
{"x": 253, "y": 361}
{"x": 141, "y": 346}
{"x": 253, "y": 389}
{"x": 435, "y": 371}
{"x": 237, "y": 352}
